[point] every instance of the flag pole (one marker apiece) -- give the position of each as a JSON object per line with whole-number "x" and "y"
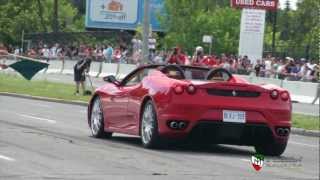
{"x": 28, "y": 58}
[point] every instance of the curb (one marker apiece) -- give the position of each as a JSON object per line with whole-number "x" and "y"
{"x": 296, "y": 131}
{"x": 24, "y": 96}
{"x": 304, "y": 132}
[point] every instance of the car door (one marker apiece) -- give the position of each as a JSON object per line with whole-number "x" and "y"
{"x": 115, "y": 106}
{"x": 135, "y": 95}
{"x": 120, "y": 99}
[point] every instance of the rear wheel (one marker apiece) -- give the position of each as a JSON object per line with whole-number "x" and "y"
{"x": 149, "y": 126}
{"x": 271, "y": 149}
{"x": 97, "y": 120}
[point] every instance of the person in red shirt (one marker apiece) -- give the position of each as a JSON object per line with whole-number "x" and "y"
{"x": 3, "y": 50}
{"x": 209, "y": 61}
{"x": 117, "y": 55}
{"x": 177, "y": 57}
{"x": 3, "y": 54}
{"x": 32, "y": 53}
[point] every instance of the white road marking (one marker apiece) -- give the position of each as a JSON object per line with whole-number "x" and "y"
{"x": 6, "y": 158}
{"x": 246, "y": 160}
{"x": 303, "y": 144}
{"x": 42, "y": 105}
{"x": 38, "y": 118}
{"x": 84, "y": 111}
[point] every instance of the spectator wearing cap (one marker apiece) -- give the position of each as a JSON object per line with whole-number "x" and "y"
{"x": 198, "y": 56}
{"x": 311, "y": 71}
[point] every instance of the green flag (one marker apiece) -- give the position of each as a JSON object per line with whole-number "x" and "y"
{"x": 28, "y": 68}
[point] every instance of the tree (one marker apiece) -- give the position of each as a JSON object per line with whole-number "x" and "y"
{"x": 35, "y": 16}
{"x": 298, "y": 30}
{"x": 307, "y": 27}
{"x": 187, "y": 21}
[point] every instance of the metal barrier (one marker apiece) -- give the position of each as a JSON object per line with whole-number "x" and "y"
{"x": 124, "y": 69}
{"x": 54, "y": 67}
{"x": 305, "y": 92}
{"x": 68, "y": 67}
{"x": 108, "y": 69}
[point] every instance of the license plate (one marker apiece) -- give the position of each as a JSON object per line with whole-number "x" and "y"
{"x": 234, "y": 116}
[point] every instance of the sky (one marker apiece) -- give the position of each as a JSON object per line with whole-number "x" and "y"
{"x": 292, "y": 4}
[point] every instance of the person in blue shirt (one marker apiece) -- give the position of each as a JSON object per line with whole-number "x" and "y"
{"x": 107, "y": 53}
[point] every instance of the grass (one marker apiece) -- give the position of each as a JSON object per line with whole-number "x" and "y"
{"x": 16, "y": 84}
{"x": 305, "y": 122}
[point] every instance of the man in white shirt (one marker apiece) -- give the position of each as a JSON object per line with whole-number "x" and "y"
{"x": 53, "y": 51}
{"x": 16, "y": 52}
{"x": 46, "y": 53}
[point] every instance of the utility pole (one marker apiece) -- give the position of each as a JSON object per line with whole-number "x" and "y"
{"x": 146, "y": 24}
{"x": 22, "y": 41}
{"x": 55, "y": 16}
{"x": 274, "y": 30}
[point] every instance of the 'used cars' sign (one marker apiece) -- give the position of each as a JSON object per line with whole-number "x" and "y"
{"x": 256, "y": 4}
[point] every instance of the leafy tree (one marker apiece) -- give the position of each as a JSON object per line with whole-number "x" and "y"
{"x": 297, "y": 30}
{"x": 35, "y": 16}
{"x": 187, "y": 21}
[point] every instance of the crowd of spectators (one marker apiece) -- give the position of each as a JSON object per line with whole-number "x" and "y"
{"x": 269, "y": 67}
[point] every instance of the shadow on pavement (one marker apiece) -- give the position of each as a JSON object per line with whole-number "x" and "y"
{"x": 178, "y": 147}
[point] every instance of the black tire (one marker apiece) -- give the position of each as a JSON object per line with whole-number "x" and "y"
{"x": 271, "y": 149}
{"x": 97, "y": 125}
{"x": 154, "y": 140}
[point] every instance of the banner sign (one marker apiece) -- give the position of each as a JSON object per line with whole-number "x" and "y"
{"x": 121, "y": 14}
{"x": 252, "y": 33}
{"x": 207, "y": 39}
{"x": 271, "y": 5}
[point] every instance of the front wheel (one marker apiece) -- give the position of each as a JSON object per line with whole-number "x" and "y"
{"x": 97, "y": 120}
{"x": 149, "y": 126}
{"x": 271, "y": 149}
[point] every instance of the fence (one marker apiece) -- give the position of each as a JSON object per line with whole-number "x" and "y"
{"x": 304, "y": 92}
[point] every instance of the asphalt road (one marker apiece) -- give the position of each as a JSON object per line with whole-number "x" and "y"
{"x": 43, "y": 140}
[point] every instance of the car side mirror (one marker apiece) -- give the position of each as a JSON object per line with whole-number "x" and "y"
{"x": 111, "y": 79}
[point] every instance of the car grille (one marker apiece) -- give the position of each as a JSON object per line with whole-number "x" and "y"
{"x": 232, "y": 93}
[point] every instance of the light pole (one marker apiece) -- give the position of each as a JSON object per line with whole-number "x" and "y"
{"x": 55, "y": 16}
{"x": 146, "y": 23}
{"x": 274, "y": 30}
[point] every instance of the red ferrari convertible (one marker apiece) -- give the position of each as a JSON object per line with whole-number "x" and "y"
{"x": 163, "y": 102}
